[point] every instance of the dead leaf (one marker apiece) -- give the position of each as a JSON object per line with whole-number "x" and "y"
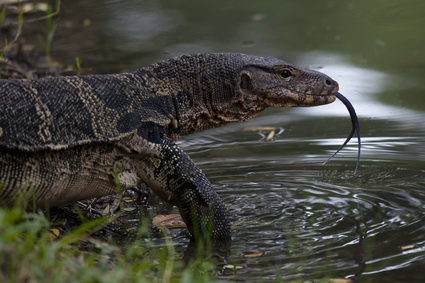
{"x": 270, "y": 136}
{"x": 255, "y": 129}
{"x": 38, "y": 7}
{"x": 267, "y": 133}
{"x": 86, "y": 22}
{"x": 168, "y": 220}
{"x": 54, "y": 233}
{"x": 129, "y": 199}
{"x": 407, "y": 247}
{"x": 253, "y": 254}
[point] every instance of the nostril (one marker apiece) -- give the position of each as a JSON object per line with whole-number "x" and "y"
{"x": 328, "y": 82}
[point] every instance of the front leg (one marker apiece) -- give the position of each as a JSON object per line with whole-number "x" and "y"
{"x": 174, "y": 177}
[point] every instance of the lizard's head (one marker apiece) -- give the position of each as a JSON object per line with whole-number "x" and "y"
{"x": 268, "y": 81}
{"x": 234, "y": 87}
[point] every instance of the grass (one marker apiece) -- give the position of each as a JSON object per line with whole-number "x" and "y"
{"x": 16, "y": 54}
{"x": 31, "y": 252}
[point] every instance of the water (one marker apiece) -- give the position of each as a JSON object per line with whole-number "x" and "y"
{"x": 308, "y": 220}
{"x": 311, "y": 220}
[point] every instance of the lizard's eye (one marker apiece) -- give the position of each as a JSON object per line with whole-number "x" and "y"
{"x": 285, "y": 74}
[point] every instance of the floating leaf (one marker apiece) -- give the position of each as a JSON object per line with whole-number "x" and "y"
{"x": 253, "y": 254}
{"x": 267, "y": 133}
{"x": 270, "y": 136}
{"x": 255, "y": 129}
{"x": 407, "y": 247}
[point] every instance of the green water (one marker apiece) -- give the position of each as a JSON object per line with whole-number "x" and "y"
{"x": 309, "y": 220}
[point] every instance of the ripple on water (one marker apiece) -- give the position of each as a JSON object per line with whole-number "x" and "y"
{"x": 311, "y": 220}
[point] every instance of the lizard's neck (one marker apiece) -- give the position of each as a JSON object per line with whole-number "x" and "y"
{"x": 202, "y": 90}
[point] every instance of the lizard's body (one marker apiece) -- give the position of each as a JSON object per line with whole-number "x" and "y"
{"x": 62, "y": 139}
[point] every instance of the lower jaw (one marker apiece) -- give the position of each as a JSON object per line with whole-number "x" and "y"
{"x": 310, "y": 100}
{"x": 313, "y": 100}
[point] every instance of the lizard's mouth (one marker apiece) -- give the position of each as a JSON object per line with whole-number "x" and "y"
{"x": 298, "y": 99}
{"x": 301, "y": 99}
{"x": 307, "y": 95}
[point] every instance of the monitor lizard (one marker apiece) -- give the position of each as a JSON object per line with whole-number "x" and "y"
{"x": 65, "y": 139}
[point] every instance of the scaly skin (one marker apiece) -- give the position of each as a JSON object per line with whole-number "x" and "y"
{"x": 62, "y": 138}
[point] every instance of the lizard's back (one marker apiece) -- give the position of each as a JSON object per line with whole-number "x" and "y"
{"x": 57, "y": 113}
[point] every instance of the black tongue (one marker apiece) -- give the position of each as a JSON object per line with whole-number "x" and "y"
{"x": 355, "y": 127}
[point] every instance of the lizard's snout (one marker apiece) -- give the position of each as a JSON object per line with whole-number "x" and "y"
{"x": 330, "y": 86}
{"x": 329, "y": 82}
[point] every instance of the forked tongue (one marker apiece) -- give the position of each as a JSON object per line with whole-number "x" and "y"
{"x": 355, "y": 127}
